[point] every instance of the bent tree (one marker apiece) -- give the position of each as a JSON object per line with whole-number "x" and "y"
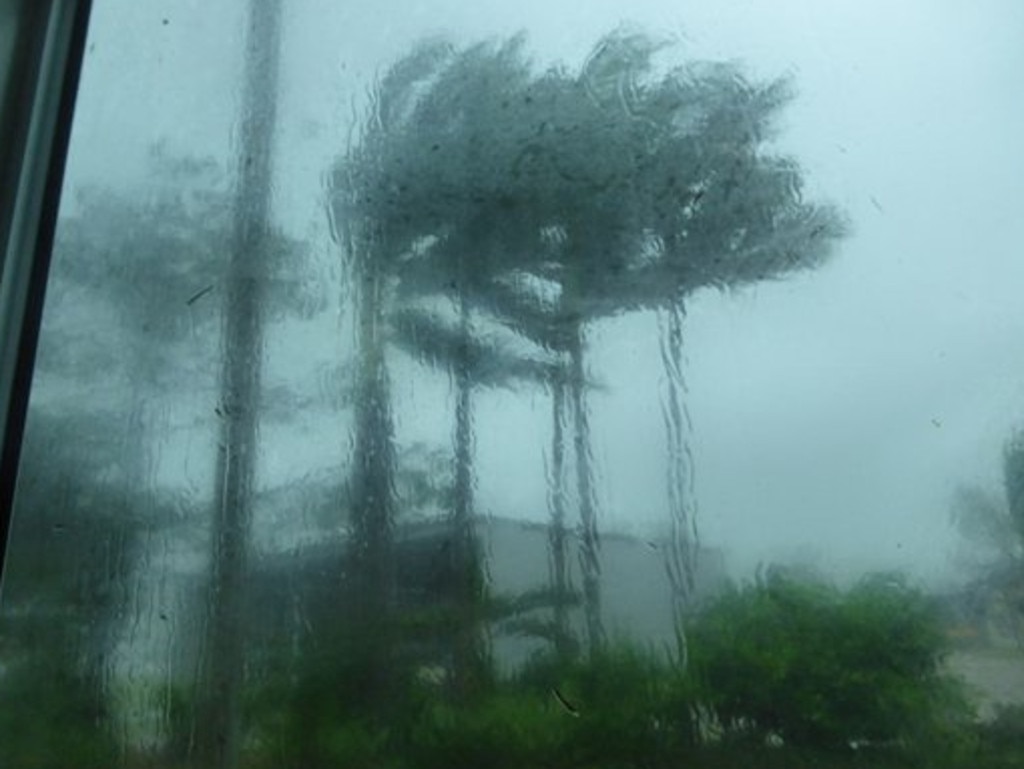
{"x": 549, "y": 200}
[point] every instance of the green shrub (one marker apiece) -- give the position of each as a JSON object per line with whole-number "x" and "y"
{"x": 513, "y": 730}
{"x": 793, "y": 670}
{"x": 51, "y": 717}
{"x": 1006, "y": 728}
{"x": 1001, "y": 740}
{"x": 820, "y": 668}
{"x": 622, "y": 707}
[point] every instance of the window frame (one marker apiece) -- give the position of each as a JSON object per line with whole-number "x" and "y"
{"x": 45, "y": 63}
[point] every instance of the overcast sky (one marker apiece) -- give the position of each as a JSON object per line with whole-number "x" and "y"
{"x": 833, "y": 413}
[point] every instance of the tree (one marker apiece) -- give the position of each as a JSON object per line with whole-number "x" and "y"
{"x": 682, "y": 197}
{"x": 129, "y": 262}
{"x": 660, "y": 188}
{"x": 995, "y": 527}
{"x": 1013, "y": 480}
{"x": 608, "y": 188}
{"x": 136, "y": 289}
{"x": 75, "y": 542}
{"x": 665, "y": 189}
{"x": 219, "y": 730}
{"x": 379, "y": 238}
{"x": 121, "y": 334}
{"x": 472, "y": 363}
{"x": 821, "y": 668}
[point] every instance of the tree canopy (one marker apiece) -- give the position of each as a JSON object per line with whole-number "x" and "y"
{"x": 630, "y": 184}
{"x": 548, "y": 199}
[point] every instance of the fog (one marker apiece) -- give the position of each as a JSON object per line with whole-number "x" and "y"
{"x": 833, "y": 413}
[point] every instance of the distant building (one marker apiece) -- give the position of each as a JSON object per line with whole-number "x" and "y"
{"x": 297, "y": 597}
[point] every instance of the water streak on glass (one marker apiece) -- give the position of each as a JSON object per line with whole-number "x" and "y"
{"x": 384, "y": 344}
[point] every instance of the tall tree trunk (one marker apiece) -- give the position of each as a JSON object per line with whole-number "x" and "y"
{"x": 372, "y": 550}
{"x": 558, "y": 536}
{"x": 466, "y": 564}
{"x": 683, "y": 546}
{"x": 219, "y": 729}
{"x": 590, "y": 546}
{"x": 463, "y": 502}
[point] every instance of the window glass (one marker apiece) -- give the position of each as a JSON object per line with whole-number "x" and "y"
{"x": 445, "y": 384}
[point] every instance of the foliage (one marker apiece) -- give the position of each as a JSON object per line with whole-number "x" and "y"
{"x": 545, "y": 200}
{"x": 51, "y": 716}
{"x": 818, "y": 667}
{"x": 625, "y": 187}
{"x": 795, "y": 673}
{"x": 61, "y": 596}
{"x": 626, "y": 706}
{"x": 1013, "y": 481}
{"x": 507, "y": 731}
{"x": 996, "y": 524}
{"x": 993, "y": 526}
{"x": 135, "y": 285}
{"x": 1002, "y": 739}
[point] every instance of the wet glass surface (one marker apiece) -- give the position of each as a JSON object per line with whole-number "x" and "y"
{"x": 431, "y": 385}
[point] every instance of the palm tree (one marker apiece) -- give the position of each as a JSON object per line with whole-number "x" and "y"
{"x": 663, "y": 187}
{"x": 414, "y": 199}
{"x": 739, "y": 218}
{"x": 374, "y": 238}
{"x": 614, "y": 190}
{"x": 472, "y": 362}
